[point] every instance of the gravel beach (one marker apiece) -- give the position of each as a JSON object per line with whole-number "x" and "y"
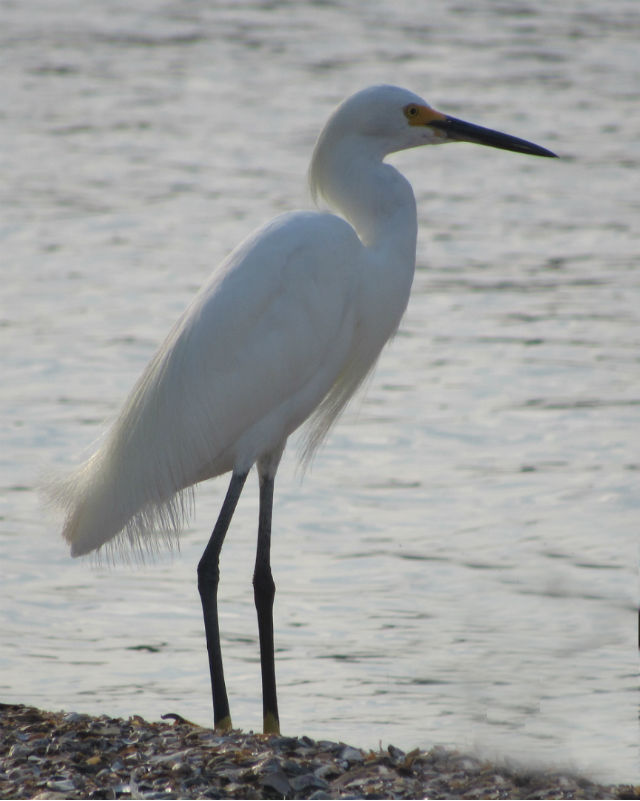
{"x": 58, "y": 755}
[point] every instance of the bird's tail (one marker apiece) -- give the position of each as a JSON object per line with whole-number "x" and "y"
{"x": 114, "y": 500}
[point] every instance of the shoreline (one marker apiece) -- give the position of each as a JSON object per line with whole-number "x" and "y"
{"x": 66, "y": 755}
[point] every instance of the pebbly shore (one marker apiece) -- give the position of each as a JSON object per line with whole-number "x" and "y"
{"x": 58, "y": 755}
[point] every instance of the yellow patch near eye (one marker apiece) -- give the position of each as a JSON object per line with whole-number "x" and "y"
{"x": 421, "y": 115}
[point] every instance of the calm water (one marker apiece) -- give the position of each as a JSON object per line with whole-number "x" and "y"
{"x": 460, "y": 565}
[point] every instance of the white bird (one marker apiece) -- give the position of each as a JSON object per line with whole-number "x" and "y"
{"x": 284, "y": 332}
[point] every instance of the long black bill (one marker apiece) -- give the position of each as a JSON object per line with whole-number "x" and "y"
{"x": 461, "y": 131}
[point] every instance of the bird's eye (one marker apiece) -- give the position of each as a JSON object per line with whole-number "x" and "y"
{"x": 411, "y": 112}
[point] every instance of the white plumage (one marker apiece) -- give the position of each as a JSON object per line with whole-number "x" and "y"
{"x": 255, "y": 352}
{"x": 295, "y": 317}
{"x": 284, "y": 331}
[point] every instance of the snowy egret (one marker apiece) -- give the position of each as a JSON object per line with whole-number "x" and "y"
{"x": 284, "y": 332}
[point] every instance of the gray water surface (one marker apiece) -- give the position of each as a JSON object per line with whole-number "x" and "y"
{"x": 460, "y": 564}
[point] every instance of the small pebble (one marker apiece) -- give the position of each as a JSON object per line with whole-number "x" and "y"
{"x": 277, "y": 781}
{"x": 62, "y": 786}
{"x": 349, "y": 754}
{"x": 301, "y": 783}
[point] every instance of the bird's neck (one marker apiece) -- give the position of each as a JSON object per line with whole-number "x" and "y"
{"x": 373, "y": 196}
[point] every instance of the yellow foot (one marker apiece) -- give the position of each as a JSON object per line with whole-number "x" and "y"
{"x": 224, "y": 724}
{"x": 271, "y": 724}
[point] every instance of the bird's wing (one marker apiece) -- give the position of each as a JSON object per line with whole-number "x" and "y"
{"x": 268, "y": 338}
{"x": 257, "y": 350}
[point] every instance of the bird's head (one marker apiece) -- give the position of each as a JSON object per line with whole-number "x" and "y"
{"x": 387, "y": 119}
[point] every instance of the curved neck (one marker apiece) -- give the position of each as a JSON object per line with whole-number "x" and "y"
{"x": 373, "y": 196}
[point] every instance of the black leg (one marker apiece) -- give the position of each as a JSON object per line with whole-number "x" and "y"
{"x": 264, "y": 591}
{"x": 208, "y": 575}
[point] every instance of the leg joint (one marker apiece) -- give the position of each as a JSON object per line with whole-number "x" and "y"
{"x": 208, "y": 573}
{"x": 263, "y": 583}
